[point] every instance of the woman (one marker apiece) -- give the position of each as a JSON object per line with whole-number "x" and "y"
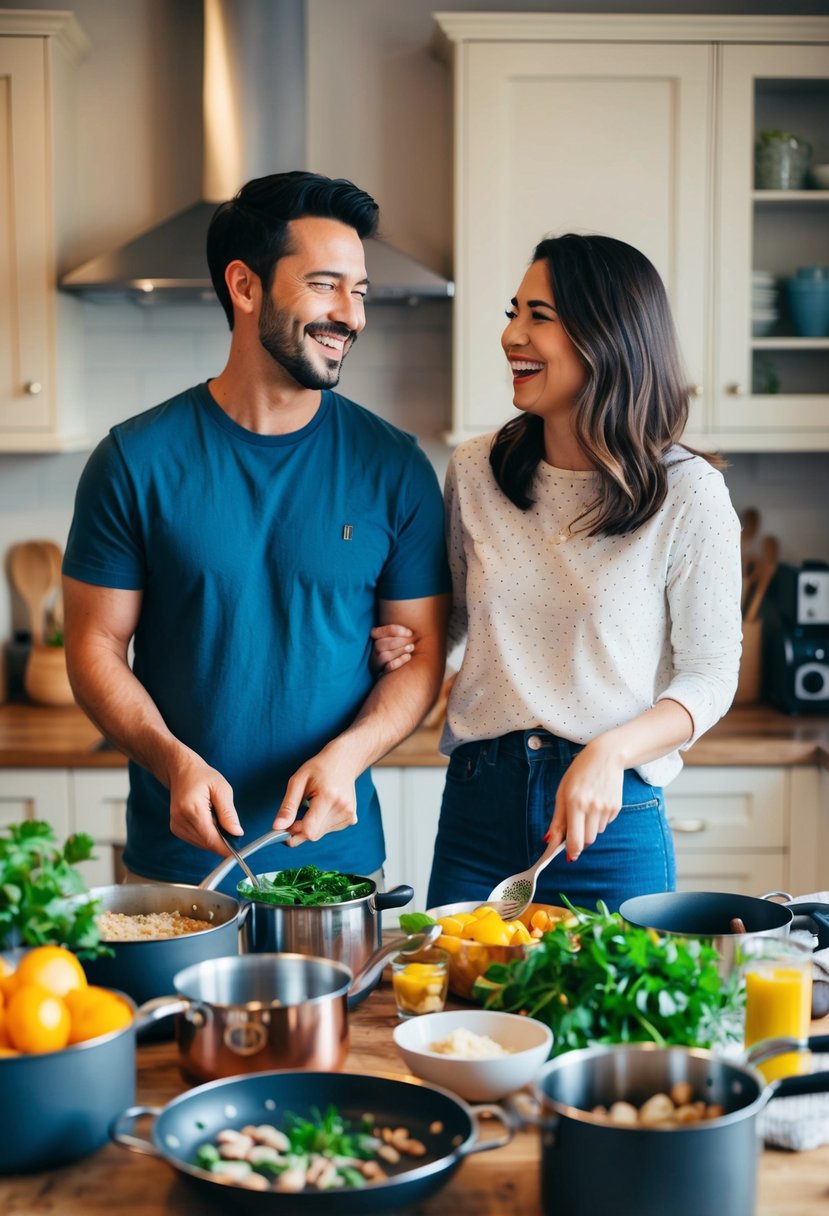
{"x": 596, "y": 573}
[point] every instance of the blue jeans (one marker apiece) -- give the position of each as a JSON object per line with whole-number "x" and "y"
{"x": 497, "y": 805}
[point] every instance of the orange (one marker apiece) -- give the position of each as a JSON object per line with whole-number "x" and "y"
{"x": 37, "y": 1020}
{"x": 8, "y": 980}
{"x": 95, "y": 1011}
{"x": 5, "y": 967}
{"x": 8, "y": 1051}
{"x": 4, "y": 1034}
{"x": 52, "y": 967}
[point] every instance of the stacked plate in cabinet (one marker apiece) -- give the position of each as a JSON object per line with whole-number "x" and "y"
{"x": 764, "y": 310}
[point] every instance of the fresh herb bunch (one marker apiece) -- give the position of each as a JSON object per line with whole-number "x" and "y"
{"x": 39, "y": 886}
{"x": 605, "y": 981}
{"x": 306, "y": 886}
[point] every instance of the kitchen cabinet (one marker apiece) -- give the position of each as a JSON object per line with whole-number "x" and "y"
{"x": 72, "y": 800}
{"x": 410, "y": 800}
{"x": 40, "y": 339}
{"x": 642, "y": 128}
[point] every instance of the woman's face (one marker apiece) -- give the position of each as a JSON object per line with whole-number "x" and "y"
{"x": 547, "y": 372}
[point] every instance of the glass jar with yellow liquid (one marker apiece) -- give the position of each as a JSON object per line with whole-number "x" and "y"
{"x": 778, "y": 991}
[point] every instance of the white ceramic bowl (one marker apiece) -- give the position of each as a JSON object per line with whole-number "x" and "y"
{"x": 528, "y": 1043}
{"x": 820, "y": 175}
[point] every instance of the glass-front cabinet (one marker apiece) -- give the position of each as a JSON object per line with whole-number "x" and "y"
{"x": 771, "y": 263}
{"x": 645, "y": 128}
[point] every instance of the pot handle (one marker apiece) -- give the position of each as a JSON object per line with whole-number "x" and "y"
{"x": 814, "y": 918}
{"x": 372, "y": 967}
{"x": 483, "y": 1146}
{"x": 526, "y": 1110}
{"x": 775, "y": 895}
{"x": 787, "y": 1087}
{"x": 226, "y": 865}
{"x": 159, "y": 1007}
{"x": 395, "y": 898}
{"x": 120, "y": 1130}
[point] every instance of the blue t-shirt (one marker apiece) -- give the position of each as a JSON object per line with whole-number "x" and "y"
{"x": 261, "y": 559}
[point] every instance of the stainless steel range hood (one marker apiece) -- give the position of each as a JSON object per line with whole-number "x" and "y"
{"x": 253, "y": 86}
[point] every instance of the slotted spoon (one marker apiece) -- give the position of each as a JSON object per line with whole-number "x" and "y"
{"x": 512, "y": 895}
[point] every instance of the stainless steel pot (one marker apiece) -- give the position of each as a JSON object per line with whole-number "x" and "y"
{"x": 709, "y": 914}
{"x": 259, "y": 1012}
{"x": 447, "y": 1127}
{"x": 346, "y": 933}
{"x": 708, "y": 1167}
{"x": 58, "y": 1106}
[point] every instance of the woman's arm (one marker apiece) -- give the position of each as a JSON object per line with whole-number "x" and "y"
{"x": 590, "y": 794}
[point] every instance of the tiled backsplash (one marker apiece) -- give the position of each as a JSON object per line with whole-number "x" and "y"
{"x": 138, "y": 356}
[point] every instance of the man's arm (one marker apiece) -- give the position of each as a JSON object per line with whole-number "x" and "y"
{"x": 99, "y": 624}
{"x": 396, "y": 705}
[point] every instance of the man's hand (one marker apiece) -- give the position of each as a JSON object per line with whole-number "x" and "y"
{"x": 327, "y": 783}
{"x": 195, "y": 789}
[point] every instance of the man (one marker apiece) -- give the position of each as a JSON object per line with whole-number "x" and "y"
{"x": 246, "y": 536}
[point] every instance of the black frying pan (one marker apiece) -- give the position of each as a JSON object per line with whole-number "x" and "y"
{"x": 446, "y": 1126}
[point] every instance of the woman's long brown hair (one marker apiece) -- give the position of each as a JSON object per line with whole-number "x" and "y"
{"x": 634, "y": 403}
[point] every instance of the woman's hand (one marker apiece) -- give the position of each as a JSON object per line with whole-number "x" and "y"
{"x": 393, "y": 647}
{"x": 589, "y": 797}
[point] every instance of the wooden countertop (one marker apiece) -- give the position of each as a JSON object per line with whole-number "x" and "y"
{"x": 39, "y": 736}
{"x": 504, "y": 1182}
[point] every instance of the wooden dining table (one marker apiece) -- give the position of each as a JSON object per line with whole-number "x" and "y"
{"x": 503, "y": 1182}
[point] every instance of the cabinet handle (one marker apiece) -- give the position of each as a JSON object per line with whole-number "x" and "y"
{"x": 735, "y": 390}
{"x": 33, "y": 387}
{"x": 687, "y": 825}
{"x": 695, "y": 390}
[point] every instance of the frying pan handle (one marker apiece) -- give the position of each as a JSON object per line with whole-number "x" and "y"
{"x": 395, "y": 898}
{"x": 120, "y": 1130}
{"x": 806, "y": 1083}
{"x": 483, "y": 1146}
{"x": 814, "y": 918}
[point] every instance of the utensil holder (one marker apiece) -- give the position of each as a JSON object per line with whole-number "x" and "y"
{"x": 46, "y": 680}
{"x": 749, "y": 680}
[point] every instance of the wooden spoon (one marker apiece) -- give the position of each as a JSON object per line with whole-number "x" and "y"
{"x": 30, "y": 568}
{"x": 55, "y": 555}
{"x": 766, "y": 567}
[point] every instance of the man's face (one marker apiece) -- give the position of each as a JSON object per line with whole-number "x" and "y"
{"x": 315, "y": 309}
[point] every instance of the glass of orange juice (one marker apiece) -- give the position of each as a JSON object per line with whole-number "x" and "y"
{"x": 778, "y": 989}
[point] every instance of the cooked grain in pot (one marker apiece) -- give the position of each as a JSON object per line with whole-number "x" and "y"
{"x": 146, "y": 926}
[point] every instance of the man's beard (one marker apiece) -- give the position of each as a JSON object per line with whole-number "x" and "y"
{"x": 276, "y": 337}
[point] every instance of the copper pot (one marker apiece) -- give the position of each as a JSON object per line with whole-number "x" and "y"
{"x": 258, "y": 1012}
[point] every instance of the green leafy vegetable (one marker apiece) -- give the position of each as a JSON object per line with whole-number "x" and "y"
{"x": 306, "y": 886}
{"x": 415, "y": 922}
{"x": 39, "y": 889}
{"x": 604, "y": 981}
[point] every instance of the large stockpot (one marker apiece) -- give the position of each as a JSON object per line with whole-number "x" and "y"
{"x": 446, "y": 1126}
{"x": 346, "y": 933}
{"x": 58, "y": 1106}
{"x": 699, "y": 1169}
{"x": 708, "y": 914}
{"x": 258, "y": 1012}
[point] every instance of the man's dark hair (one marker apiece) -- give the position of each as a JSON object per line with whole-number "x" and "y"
{"x": 253, "y": 226}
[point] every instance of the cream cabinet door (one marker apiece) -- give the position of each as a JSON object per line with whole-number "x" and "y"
{"x": 731, "y": 828}
{"x": 410, "y": 800}
{"x": 99, "y": 806}
{"x": 771, "y": 391}
{"x": 575, "y": 137}
{"x": 35, "y": 793}
{"x": 26, "y": 254}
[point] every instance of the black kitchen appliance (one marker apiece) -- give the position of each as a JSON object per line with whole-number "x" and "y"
{"x": 796, "y": 631}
